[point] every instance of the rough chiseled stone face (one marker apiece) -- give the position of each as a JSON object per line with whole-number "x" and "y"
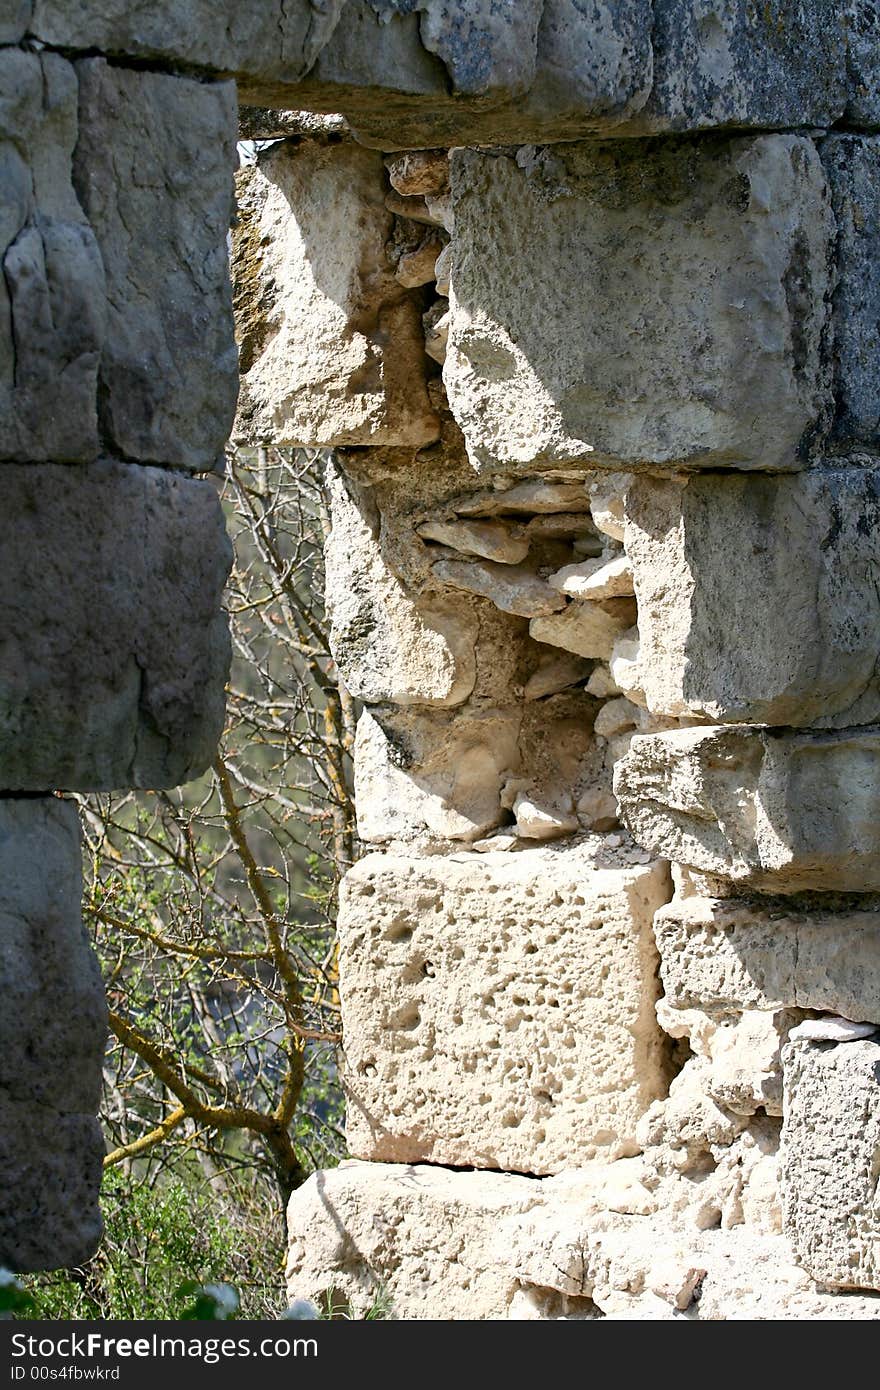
{"x": 498, "y": 1009}
{"x": 153, "y": 170}
{"x": 113, "y": 647}
{"x": 758, "y": 597}
{"x": 53, "y": 1028}
{"x": 727, "y": 955}
{"x": 14, "y": 17}
{"x": 829, "y": 1160}
{"x": 675, "y": 316}
{"x": 332, "y": 344}
{"x": 853, "y": 167}
{"x": 52, "y": 286}
{"x": 777, "y": 810}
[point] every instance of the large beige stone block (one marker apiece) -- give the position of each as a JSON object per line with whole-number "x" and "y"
{"x": 154, "y": 167}
{"x": 498, "y": 1009}
{"x": 52, "y": 287}
{"x": 758, "y": 597}
{"x": 114, "y": 648}
{"x": 779, "y": 811}
{"x": 830, "y": 1159}
{"x": 332, "y": 344}
{"x": 723, "y": 955}
{"x": 695, "y": 337}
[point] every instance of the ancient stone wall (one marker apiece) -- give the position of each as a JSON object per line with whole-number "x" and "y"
{"x": 582, "y": 304}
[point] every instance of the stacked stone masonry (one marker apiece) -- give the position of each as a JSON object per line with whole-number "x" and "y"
{"x": 578, "y": 308}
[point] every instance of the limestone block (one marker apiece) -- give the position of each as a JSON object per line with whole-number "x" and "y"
{"x": 767, "y": 65}
{"x": 512, "y": 588}
{"x": 758, "y": 597}
{"x": 423, "y": 1235}
{"x": 433, "y": 773}
{"x": 275, "y": 39}
{"x": 498, "y": 1008}
{"x": 830, "y": 1158}
{"x": 113, "y": 644}
{"x": 389, "y": 645}
{"x": 595, "y": 579}
{"x": 332, "y": 350}
{"x": 640, "y": 370}
{"x": 726, "y": 954}
{"x": 53, "y": 1024}
{"x": 438, "y": 73}
{"x": 853, "y": 167}
{"x": 587, "y": 629}
{"x": 52, "y": 287}
{"x": 777, "y": 811}
{"x": 154, "y": 172}
{"x": 491, "y": 540}
{"x": 50, "y": 1173}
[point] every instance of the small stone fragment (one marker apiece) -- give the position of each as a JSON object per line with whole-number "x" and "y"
{"x": 510, "y": 588}
{"x": 535, "y": 821}
{"x": 416, "y": 173}
{"x": 416, "y": 267}
{"x": 595, "y": 579}
{"x": 436, "y": 325}
{"x": 831, "y": 1028}
{"x": 491, "y": 540}
{"x": 588, "y": 629}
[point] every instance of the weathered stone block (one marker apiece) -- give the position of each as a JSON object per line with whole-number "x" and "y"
{"x": 433, "y": 773}
{"x": 275, "y": 38}
{"x": 53, "y": 1028}
{"x": 422, "y": 1236}
{"x": 52, "y": 290}
{"x": 498, "y": 1009}
{"x": 640, "y": 369}
{"x": 390, "y": 646}
{"x": 862, "y": 25}
{"x": 332, "y": 345}
{"x": 830, "y": 1158}
{"x": 53, "y": 1024}
{"x": 769, "y": 64}
{"x": 113, "y": 644}
{"x": 50, "y": 1174}
{"x": 853, "y": 166}
{"x": 759, "y": 597}
{"x": 723, "y": 955}
{"x": 441, "y": 74}
{"x": 153, "y": 170}
{"x": 14, "y": 17}
{"x": 779, "y": 811}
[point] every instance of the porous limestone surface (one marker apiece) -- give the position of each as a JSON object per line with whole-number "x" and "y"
{"x": 636, "y": 369}
{"x": 153, "y": 170}
{"x": 332, "y": 349}
{"x": 830, "y": 1160}
{"x": 114, "y": 651}
{"x": 776, "y": 810}
{"x": 53, "y": 312}
{"x": 758, "y": 597}
{"x": 53, "y": 1029}
{"x": 724, "y": 955}
{"x": 427, "y": 1242}
{"x": 498, "y": 1009}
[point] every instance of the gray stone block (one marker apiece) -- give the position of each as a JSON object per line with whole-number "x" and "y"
{"x": 50, "y": 1174}
{"x": 852, "y": 163}
{"x": 745, "y": 64}
{"x": 759, "y": 597}
{"x": 642, "y": 365}
{"x": 862, "y": 26}
{"x": 52, "y": 290}
{"x": 154, "y": 172}
{"x": 113, "y": 644}
{"x": 778, "y": 810}
{"x": 830, "y": 1158}
{"x": 14, "y": 17}
{"x": 53, "y": 1020}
